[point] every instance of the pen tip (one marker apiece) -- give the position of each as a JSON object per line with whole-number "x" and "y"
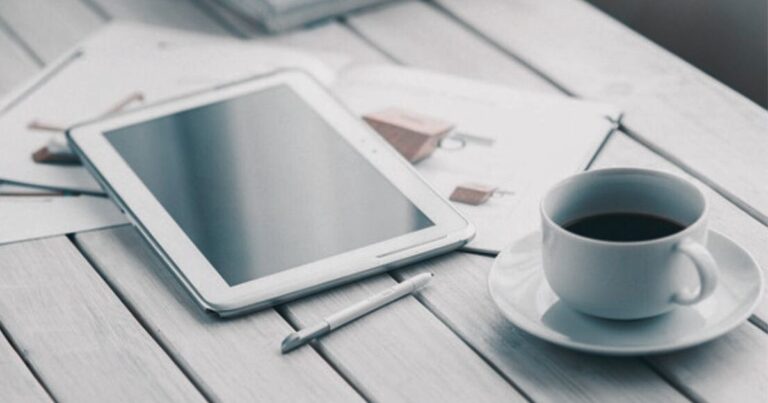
{"x": 289, "y": 343}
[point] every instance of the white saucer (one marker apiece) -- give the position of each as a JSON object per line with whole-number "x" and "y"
{"x": 521, "y": 292}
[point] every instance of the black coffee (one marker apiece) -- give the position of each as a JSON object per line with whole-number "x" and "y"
{"x": 623, "y": 227}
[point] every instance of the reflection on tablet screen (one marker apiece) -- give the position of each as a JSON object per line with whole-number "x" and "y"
{"x": 261, "y": 184}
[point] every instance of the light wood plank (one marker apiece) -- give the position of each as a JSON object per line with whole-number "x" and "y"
{"x": 333, "y": 38}
{"x": 80, "y": 339}
{"x": 231, "y": 360}
{"x": 17, "y": 65}
{"x": 708, "y": 127}
{"x": 18, "y": 384}
{"x": 414, "y": 34}
{"x": 621, "y": 151}
{"x": 733, "y": 368}
{"x": 49, "y": 27}
{"x": 180, "y": 14}
{"x": 459, "y": 295}
{"x": 233, "y": 21}
{"x": 69, "y": 21}
{"x": 401, "y": 352}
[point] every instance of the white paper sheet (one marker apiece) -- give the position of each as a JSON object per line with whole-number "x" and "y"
{"x": 521, "y": 142}
{"x": 29, "y": 217}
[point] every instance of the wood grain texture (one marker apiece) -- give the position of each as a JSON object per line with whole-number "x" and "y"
{"x": 458, "y": 295}
{"x": 726, "y": 218}
{"x": 669, "y": 104}
{"x": 233, "y": 22}
{"x": 68, "y": 21}
{"x": 729, "y": 369}
{"x": 17, "y": 384}
{"x": 49, "y": 27}
{"x": 231, "y": 360}
{"x": 400, "y": 352}
{"x": 333, "y": 38}
{"x": 79, "y": 338}
{"x": 16, "y": 64}
{"x": 413, "y": 33}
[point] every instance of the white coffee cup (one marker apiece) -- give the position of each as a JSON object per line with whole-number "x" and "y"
{"x": 620, "y": 279}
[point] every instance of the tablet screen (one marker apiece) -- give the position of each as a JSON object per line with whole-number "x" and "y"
{"x": 262, "y": 183}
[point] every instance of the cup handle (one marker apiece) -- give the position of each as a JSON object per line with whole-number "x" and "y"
{"x": 706, "y": 268}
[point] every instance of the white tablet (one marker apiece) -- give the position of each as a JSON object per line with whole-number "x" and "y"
{"x": 264, "y": 190}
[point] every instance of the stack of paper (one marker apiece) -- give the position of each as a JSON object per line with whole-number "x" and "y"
{"x": 519, "y": 142}
{"x": 278, "y": 15}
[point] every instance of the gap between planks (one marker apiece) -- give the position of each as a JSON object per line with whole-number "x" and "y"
{"x": 679, "y": 386}
{"x": 427, "y": 305}
{"x": 6, "y": 29}
{"x": 293, "y": 322}
{"x": 23, "y": 357}
{"x": 136, "y": 316}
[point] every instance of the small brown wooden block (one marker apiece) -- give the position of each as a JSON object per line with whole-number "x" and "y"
{"x": 55, "y": 152}
{"x": 415, "y": 136}
{"x": 472, "y": 193}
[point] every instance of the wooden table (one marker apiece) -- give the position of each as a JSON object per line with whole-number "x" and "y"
{"x": 95, "y": 316}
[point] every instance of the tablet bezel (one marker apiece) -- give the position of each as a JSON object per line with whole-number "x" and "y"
{"x": 450, "y": 229}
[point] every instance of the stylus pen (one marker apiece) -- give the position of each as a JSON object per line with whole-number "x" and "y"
{"x": 346, "y": 315}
